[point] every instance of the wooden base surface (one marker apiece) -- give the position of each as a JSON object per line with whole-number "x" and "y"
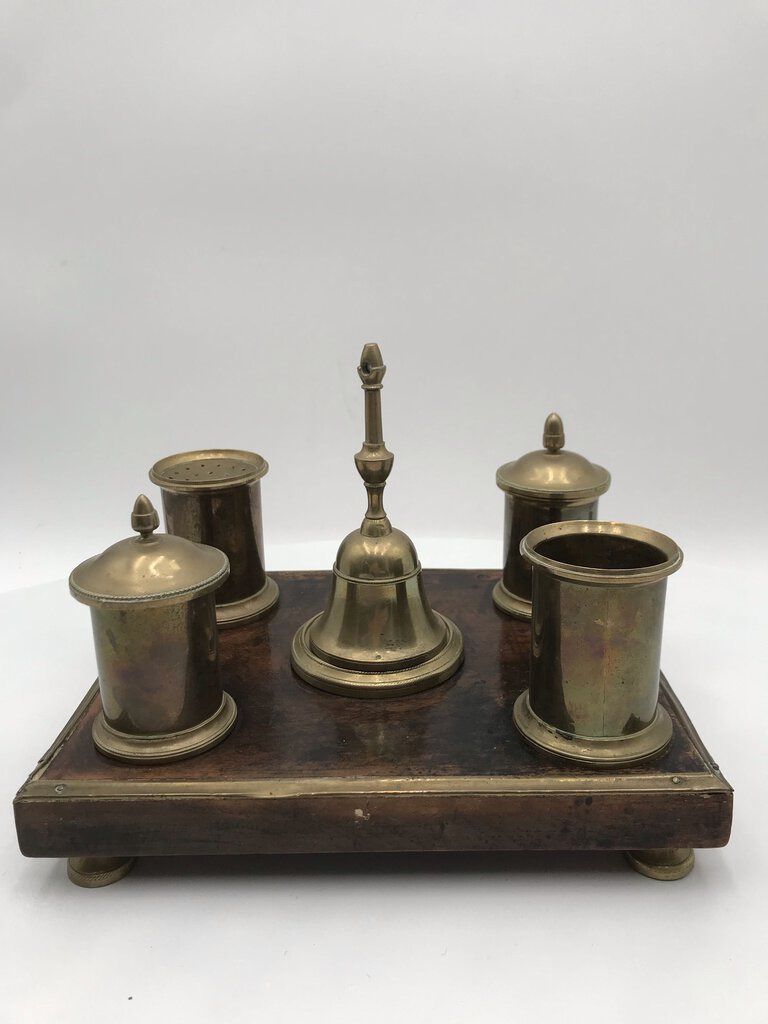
{"x": 306, "y": 771}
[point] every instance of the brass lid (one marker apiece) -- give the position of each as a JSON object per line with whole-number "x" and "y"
{"x": 553, "y": 473}
{"x": 149, "y": 568}
{"x": 214, "y": 469}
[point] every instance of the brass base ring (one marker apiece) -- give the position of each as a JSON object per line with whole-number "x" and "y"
{"x": 393, "y": 683}
{"x": 250, "y": 608}
{"x": 665, "y": 865}
{"x": 510, "y": 604}
{"x": 610, "y": 750}
{"x": 95, "y": 872}
{"x": 167, "y": 746}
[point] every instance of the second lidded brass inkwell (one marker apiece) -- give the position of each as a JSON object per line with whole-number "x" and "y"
{"x": 378, "y": 636}
{"x": 547, "y": 486}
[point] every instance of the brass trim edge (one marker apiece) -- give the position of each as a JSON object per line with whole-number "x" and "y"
{"x": 462, "y": 785}
{"x": 44, "y": 762}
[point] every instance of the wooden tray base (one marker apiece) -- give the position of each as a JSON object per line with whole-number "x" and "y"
{"x": 309, "y": 772}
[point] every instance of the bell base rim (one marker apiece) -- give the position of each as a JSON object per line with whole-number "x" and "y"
{"x": 510, "y": 604}
{"x": 370, "y": 684}
{"x": 165, "y": 747}
{"x": 237, "y": 613}
{"x": 611, "y": 751}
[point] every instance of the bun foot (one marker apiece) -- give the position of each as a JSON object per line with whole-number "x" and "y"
{"x": 94, "y": 872}
{"x": 667, "y": 865}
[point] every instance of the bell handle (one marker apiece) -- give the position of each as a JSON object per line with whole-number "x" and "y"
{"x": 373, "y": 461}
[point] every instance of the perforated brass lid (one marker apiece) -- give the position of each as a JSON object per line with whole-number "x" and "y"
{"x": 214, "y": 469}
{"x": 149, "y": 568}
{"x": 552, "y": 472}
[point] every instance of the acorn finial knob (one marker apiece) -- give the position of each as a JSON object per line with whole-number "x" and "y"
{"x": 371, "y": 369}
{"x": 144, "y": 518}
{"x": 554, "y": 435}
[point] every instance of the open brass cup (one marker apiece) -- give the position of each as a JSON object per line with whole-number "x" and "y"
{"x": 214, "y": 497}
{"x": 598, "y": 610}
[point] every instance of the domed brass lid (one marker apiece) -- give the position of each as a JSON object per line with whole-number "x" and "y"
{"x": 553, "y": 473}
{"x": 149, "y": 568}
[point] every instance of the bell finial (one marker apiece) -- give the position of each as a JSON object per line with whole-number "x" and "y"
{"x": 554, "y": 435}
{"x": 371, "y": 368}
{"x": 373, "y": 461}
{"x": 144, "y": 518}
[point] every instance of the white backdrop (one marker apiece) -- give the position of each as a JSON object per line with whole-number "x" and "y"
{"x": 206, "y": 209}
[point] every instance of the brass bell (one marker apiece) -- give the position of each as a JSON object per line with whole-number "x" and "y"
{"x": 378, "y": 636}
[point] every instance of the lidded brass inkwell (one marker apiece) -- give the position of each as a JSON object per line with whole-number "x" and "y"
{"x": 551, "y": 485}
{"x": 154, "y": 629}
{"x": 378, "y": 635}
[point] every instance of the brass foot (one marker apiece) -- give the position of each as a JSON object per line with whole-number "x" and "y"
{"x": 94, "y": 872}
{"x": 667, "y": 865}
{"x": 166, "y": 747}
{"x": 250, "y": 609}
{"x": 510, "y": 603}
{"x": 613, "y": 750}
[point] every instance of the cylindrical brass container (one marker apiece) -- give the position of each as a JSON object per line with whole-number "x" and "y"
{"x": 214, "y": 497}
{"x": 547, "y": 486}
{"x": 598, "y": 610}
{"x": 154, "y": 629}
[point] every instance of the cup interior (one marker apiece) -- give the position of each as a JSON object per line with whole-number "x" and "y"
{"x": 601, "y": 551}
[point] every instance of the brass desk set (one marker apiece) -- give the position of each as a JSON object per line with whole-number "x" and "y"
{"x": 554, "y": 729}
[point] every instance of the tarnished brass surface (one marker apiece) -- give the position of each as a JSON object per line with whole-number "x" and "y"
{"x": 667, "y": 865}
{"x": 546, "y": 486}
{"x": 154, "y": 630}
{"x": 378, "y": 635}
{"x": 608, "y": 750}
{"x": 286, "y": 788}
{"x": 214, "y": 497}
{"x": 598, "y": 608}
{"x": 96, "y": 872}
{"x": 166, "y": 747}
